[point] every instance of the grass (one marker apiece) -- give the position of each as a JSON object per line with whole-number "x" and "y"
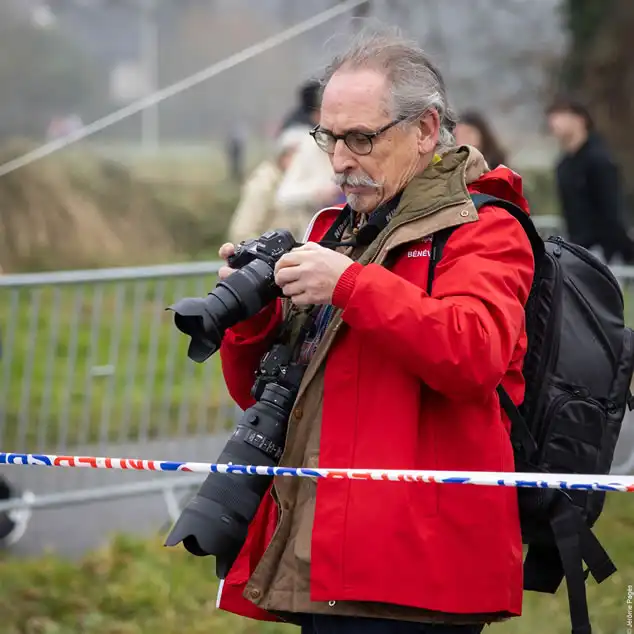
{"x": 607, "y": 601}
{"x": 134, "y": 587}
{"x": 84, "y": 209}
{"x": 131, "y": 587}
{"x": 102, "y": 362}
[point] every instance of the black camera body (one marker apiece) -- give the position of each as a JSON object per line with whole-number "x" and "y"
{"x": 269, "y": 247}
{"x": 276, "y": 366}
{"x": 238, "y": 297}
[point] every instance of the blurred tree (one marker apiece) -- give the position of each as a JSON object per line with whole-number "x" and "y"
{"x": 42, "y": 75}
{"x": 599, "y": 69}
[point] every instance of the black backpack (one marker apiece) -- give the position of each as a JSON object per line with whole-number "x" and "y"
{"x": 578, "y": 369}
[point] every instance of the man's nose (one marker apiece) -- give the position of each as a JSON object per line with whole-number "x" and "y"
{"x": 342, "y": 158}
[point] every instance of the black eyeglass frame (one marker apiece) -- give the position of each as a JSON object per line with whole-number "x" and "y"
{"x": 369, "y": 136}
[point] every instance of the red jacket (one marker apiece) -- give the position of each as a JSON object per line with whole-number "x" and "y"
{"x": 410, "y": 384}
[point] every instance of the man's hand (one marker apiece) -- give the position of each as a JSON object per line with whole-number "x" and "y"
{"x": 309, "y": 274}
{"x": 225, "y": 252}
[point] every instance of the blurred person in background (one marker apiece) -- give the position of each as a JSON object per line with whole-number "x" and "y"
{"x": 257, "y": 211}
{"x": 588, "y": 182}
{"x": 307, "y": 186}
{"x": 236, "y": 153}
{"x": 473, "y": 129}
{"x": 303, "y": 114}
{"x": 62, "y": 126}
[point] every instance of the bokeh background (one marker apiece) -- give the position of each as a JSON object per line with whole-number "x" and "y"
{"x": 98, "y": 235}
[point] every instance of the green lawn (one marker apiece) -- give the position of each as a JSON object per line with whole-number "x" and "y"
{"x": 138, "y": 587}
{"x": 102, "y": 362}
{"x": 607, "y": 601}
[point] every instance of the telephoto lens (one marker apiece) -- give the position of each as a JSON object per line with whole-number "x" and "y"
{"x": 216, "y": 520}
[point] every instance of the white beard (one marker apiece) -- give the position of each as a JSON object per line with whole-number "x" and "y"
{"x": 353, "y": 200}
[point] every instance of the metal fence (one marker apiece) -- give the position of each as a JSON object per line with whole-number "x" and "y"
{"x": 92, "y": 364}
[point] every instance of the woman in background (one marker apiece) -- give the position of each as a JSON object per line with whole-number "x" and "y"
{"x": 473, "y": 129}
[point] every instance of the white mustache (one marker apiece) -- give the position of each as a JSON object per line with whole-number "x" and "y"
{"x": 355, "y": 180}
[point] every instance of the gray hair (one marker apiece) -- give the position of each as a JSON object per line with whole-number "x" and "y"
{"x": 416, "y": 85}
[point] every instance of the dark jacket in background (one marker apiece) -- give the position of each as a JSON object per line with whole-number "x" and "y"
{"x": 298, "y": 117}
{"x": 591, "y": 197}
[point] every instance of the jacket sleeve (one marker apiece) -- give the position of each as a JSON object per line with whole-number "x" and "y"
{"x": 459, "y": 341}
{"x": 242, "y": 348}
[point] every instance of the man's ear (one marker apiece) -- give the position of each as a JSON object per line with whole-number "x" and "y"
{"x": 429, "y": 126}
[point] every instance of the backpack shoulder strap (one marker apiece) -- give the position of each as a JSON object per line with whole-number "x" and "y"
{"x": 438, "y": 242}
{"x": 537, "y": 244}
{"x": 439, "y": 239}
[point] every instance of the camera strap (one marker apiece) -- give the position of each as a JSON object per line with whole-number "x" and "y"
{"x": 344, "y": 220}
{"x": 377, "y": 221}
{"x": 298, "y": 322}
{"x": 296, "y": 326}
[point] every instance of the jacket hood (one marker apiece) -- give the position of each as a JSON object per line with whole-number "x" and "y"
{"x": 501, "y": 182}
{"x": 460, "y": 172}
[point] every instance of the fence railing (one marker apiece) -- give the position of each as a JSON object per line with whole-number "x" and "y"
{"x": 92, "y": 364}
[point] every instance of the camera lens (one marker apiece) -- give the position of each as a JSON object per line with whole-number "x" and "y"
{"x": 238, "y": 297}
{"x": 216, "y": 521}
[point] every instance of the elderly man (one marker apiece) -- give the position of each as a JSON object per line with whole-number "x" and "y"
{"x": 396, "y": 378}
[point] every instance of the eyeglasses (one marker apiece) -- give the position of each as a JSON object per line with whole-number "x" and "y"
{"x": 358, "y": 142}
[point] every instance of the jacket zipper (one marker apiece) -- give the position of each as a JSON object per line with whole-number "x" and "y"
{"x": 545, "y": 431}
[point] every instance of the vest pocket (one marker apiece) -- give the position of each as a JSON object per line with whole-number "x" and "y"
{"x": 305, "y": 523}
{"x": 305, "y": 510}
